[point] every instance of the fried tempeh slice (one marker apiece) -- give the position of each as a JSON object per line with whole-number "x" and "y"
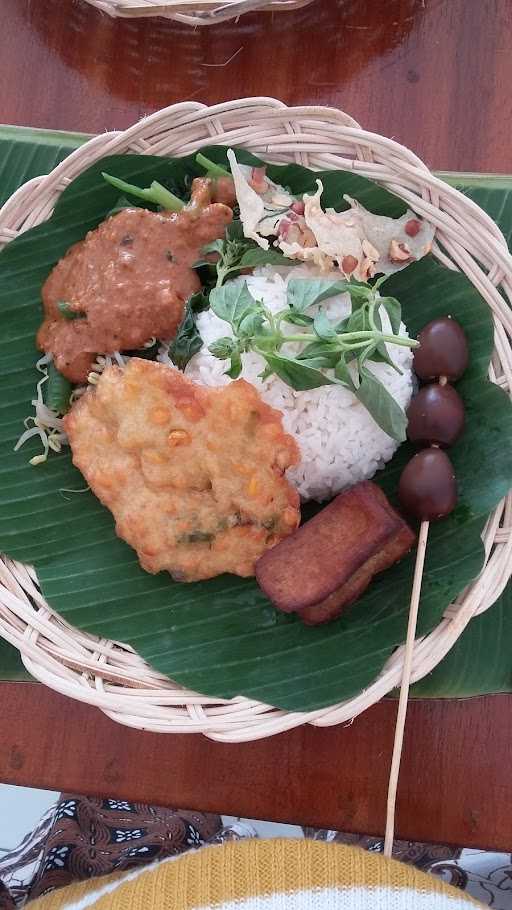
{"x": 330, "y": 560}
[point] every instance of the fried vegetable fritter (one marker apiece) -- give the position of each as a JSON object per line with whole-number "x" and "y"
{"x": 193, "y": 476}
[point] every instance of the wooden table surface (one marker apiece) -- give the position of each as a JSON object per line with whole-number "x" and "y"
{"x": 433, "y": 74}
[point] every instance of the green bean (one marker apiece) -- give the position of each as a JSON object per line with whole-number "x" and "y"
{"x": 213, "y": 170}
{"x": 156, "y": 193}
{"x": 58, "y": 390}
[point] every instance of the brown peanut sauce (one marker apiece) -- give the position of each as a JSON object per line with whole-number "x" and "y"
{"x": 128, "y": 280}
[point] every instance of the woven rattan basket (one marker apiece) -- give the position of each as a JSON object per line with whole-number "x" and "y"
{"x": 112, "y": 676}
{"x": 193, "y": 12}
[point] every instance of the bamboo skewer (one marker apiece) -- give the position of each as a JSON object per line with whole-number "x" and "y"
{"x": 404, "y": 687}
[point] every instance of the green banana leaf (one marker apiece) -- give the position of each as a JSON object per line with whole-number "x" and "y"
{"x": 229, "y": 640}
{"x": 480, "y": 662}
{"x": 27, "y": 153}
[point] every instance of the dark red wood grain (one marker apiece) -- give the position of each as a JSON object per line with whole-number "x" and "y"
{"x": 434, "y": 74}
{"x": 455, "y": 784}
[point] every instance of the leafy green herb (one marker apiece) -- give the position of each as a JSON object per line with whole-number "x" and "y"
{"x": 298, "y": 318}
{"x": 380, "y": 353}
{"x": 212, "y": 169}
{"x": 342, "y": 372}
{"x": 188, "y": 340}
{"x": 237, "y": 307}
{"x": 236, "y": 365}
{"x": 299, "y": 376}
{"x": 358, "y": 321}
{"x": 255, "y": 256}
{"x": 66, "y": 310}
{"x": 236, "y": 252}
{"x": 344, "y": 347}
{"x": 381, "y": 405}
{"x": 232, "y": 302}
{"x": 323, "y": 328}
{"x": 223, "y": 348}
{"x": 394, "y": 311}
{"x": 58, "y": 390}
{"x": 155, "y": 193}
{"x": 251, "y": 323}
{"x": 325, "y": 354}
{"x": 304, "y": 293}
{"x": 215, "y": 246}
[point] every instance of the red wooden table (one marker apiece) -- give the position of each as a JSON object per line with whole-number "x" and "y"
{"x": 433, "y": 74}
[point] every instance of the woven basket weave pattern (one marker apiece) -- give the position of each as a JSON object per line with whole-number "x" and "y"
{"x": 111, "y": 675}
{"x": 193, "y": 12}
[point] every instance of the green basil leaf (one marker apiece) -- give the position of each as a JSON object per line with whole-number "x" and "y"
{"x": 379, "y": 281}
{"x": 252, "y": 323}
{"x": 380, "y": 352}
{"x": 342, "y": 326}
{"x": 342, "y": 372}
{"x": 256, "y": 256}
{"x": 358, "y": 321}
{"x": 320, "y": 362}
{"x": 236, "y": 365}
{"x": 298, "y": 318}
{"x": 295, "y": 374}
{"x": 231, "y": 302}
{"x": 366, "y": 354}
{"x": 305, "y": 292}
{"x": 265, "y": 373}
{"x": 188, "y": 340}
{"x": 360, "y": 293}
{"x": 380, "y": 355}
{"x": 216, "y": 246}
{"x": 386, "y": 412}
{"x": 323, "y": 327}
{"x": 320, "y": 349}
{"x": 394, "y": 311}
{"x": 222, "y": 347}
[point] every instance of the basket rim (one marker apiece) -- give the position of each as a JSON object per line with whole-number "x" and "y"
{"x": 109, "y": 674}
{"x": 193, "y": 12}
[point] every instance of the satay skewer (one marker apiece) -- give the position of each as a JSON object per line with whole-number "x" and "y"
{"x": 427, "y": 488}
{"x": 404, "y": 687}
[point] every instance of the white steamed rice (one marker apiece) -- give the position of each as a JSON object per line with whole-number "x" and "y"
{"x": 340, "y": 443}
